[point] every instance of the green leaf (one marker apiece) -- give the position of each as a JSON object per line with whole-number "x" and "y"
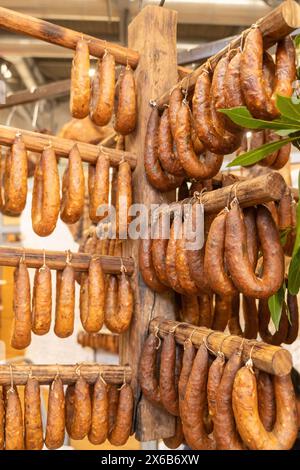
{"x": 285, "y": 132}
{"x": 275, "y": 305}
{"x": 254, "y": 156}
{"x": 241, "y": 116}
{"x": 297, "y": 41}
{"x": 287, "y": 108}
{"x": 294, "y": 274}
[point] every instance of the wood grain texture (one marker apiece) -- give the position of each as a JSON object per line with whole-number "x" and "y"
{"x": 57, "y": 260}
{"x": 274, "y": 26}
{"x": 272, "y": 359}
{"x": 51, "y": 90}
{"x": 49, "y": 32}
{"x": 89, "y": 153}
{"x": 45, "y": 373}
{"x": 153, "y": 34}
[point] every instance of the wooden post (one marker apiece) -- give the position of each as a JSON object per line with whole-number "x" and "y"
{"x": 153, "y": 34}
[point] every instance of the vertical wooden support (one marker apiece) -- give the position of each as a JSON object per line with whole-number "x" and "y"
{"x": 153, "y": 34}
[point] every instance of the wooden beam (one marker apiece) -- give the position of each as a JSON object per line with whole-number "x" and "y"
{"x": 266, "y": 357}
{"x": 153, "y": 34}
{"x": 274, "y": 26}
{"x": 51, "y": 90}
{"x": 52, "y": 33}
{"x": 249, "y": 192}
{"x": 57, "y": 260}
{"x": 45, "y": 373}
{"x": 89, "y": 153}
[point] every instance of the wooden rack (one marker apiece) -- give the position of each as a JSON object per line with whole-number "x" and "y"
{"x": 57, "y": 260}
{"x": 272, "y": 359}
{"x": 51, "y": 90}
{"x": 274, "y": 26}
{"x": 49, "y": 32}
{"x": 45, "y": 374}
{"x": 89, "y": 153}
{"x": 265, "y": 188}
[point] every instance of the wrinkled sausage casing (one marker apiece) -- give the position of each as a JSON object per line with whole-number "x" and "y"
{"x": 32, "y": 415}
{"x": 42, "y": 301}
{"x": 15, "y": 177}
{"x": 14, "y": 439}
{"x": 99, "y": 424}
{"x": 120, "y": 432}
{"x": 21, "y": 335}
{"x": 55, "y": 429}
{"x": 72, "y": 202}
{"x": 80, "y": 81}
{"x": 126, "y": 103}
{"x": 65, "y": 302}
{"x": 103, "y": 91}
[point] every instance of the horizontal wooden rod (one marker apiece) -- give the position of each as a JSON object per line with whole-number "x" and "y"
{"x": 69, "y": 373}
{"x": 89, "y": 153}
{"x": 57, "y": 260}
{"x": 31, "y": 26}
{"x": 51, "y": 90}
{"x": 274, "y": 26}
{"x": 266, "y": 357}
{"x": 250, "y": 192}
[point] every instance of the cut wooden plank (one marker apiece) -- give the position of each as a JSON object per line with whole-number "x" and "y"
{"x": 153, "y": 34}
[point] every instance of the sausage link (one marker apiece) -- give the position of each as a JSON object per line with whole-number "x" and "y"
{"x": 93, "y": 292}
{"x": 46, "y": 194}
{"x": 80, "y": 81}
{"x": 146, "y": 266}
{"x": 186, "y": 283}
{"x": 285, "y": 210}
{"x": 103, "y": 91}
{"x": 15, "y": 177}
{"x": 118, "y": 304}
{"x": 113, "y": 400}
{"x": 285, "y": 69}
{"x": 251, "y": 317}
{"x": 282, "y": 157}
{"x": 99, "y": 424}
{"x": 158, "y": 178}
{"x": 190, "y": 309}
{"x": 168, "y": 389}
{"x": 249, "y": 424}
{"x": 202, "y": 113}
{"x": 42, "y": 301}
{"x": 266, "y": 400}
{"x": 122, "y": 427}
{"x": 176, "y": 440}
{"x": 55, "y": 429}
{"x": 167, "y": 153}
{"x": 123, "y": 199}
{"x": 98, "y": 187}
{"x": 269, "y": 159}
{"x": 221, "y": 123}
{"x": 225, "y": 432}
{"x": 72, "y": 202}
{"x": 14, "y": 439}
{"x": 251, "y": 76}
{"x": 148, "y": 379}
{"x": 195, "y": 167}
{"x": 126, "y": 109}
{"x": 233, "y": 94}
{"x": 69, "y": 407}
{"x": 205, "y": 310}
{"x": 159, "y": 251}
{"x": 213, "y": 381}
{"x": 21, "y": 333}
{"x": 222, "y": 312}
{"x": 82, "y": 415}
{"x": 187, "y": 364}
{"x": 194, "y": 404}
{"x": 234, "y": 319}
{"x": 237, "y": 257}
{"x": 32, "y": 415}
{"x": 214, "y": 267}
{"x": 171, "y": 270}
{"x": 65, "y": 302}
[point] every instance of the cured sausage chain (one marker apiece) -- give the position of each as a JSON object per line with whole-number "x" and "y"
{"x": 46, "y": 201}
{"x": 84, "y": 409}
{"x": 101, "y": 98}
{"x": 189, "y": 140}
{"x": 215, "y": 396}
{"x": 99, "y": 304}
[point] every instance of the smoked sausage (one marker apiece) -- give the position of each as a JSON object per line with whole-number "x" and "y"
{"x": 55, "y": 429}
{"x": 126, "y": 107}
{"x": 118, "y": 303}
{"x": 123, "y": 199}
{"x": 266, "y": 400}
{"x": 93, "y": 292}
{"x": 80, "y": 81}
{"x": 15, "y": 177}
{"x": 32, "y": 415}
{"x": 72, "y": 202}
{"x": 99, "y": 424}
{"x": 82, "y": 415}
{"x": 42, "y": 301}
{"x": 120, "y": 433}
{"x": 21, "y": 335}
{"x": 146, "y": 266}
{"x": 148, "y": 379}
{"x": 14, "y": 439}
{"x": 103, "y": 91}
{"x": 167, "y": 386}
{"x": 167, "y": 153}
{"x": 98, "y": 187}
{"x": 65, "y": 302}
{"x": 45, "y": 195}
